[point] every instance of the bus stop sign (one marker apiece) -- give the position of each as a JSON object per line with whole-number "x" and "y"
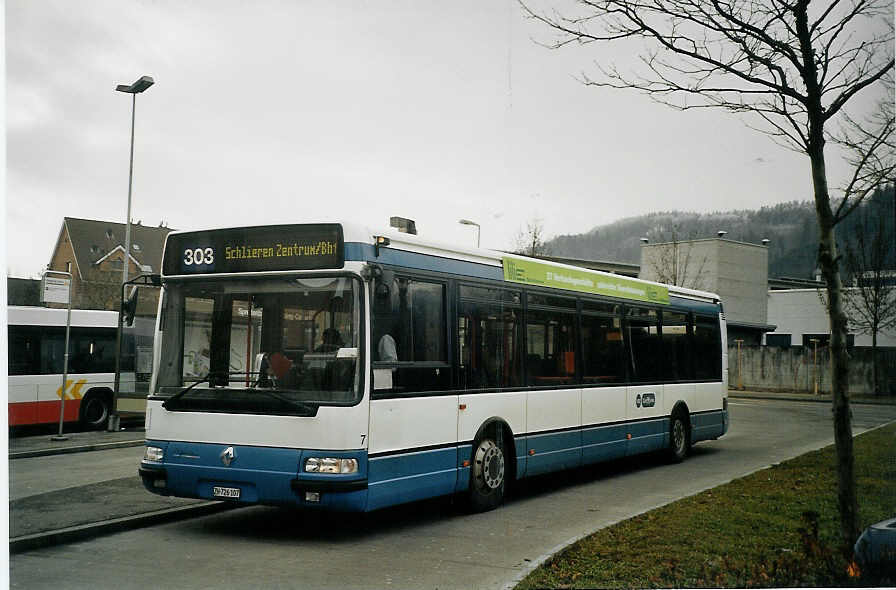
{"x": 54, "y": 290}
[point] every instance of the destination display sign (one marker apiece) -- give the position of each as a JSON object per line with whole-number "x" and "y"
{"x": 255, "y": 249}
{"x": 529, "y": 272}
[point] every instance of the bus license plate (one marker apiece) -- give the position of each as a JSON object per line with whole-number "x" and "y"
{"x": 219, "y": 492}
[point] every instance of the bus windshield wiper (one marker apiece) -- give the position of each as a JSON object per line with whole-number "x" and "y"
{"x": 303, "y": 407}
{"x": 183, "y": 392}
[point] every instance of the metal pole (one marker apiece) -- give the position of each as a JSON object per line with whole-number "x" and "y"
{"x": 127, "y": 226}
{"x": 815, "y": 362}
{"x": 740, "y": 374}
{"x": 68, "y": 325}
{"x": 113, "y": 413}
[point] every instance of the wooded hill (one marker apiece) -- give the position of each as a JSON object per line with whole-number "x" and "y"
{"x": 791, "y": 227}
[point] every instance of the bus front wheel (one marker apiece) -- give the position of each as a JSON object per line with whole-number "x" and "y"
{"x": 488, "y": 476}
{"x": 95, "y": 411}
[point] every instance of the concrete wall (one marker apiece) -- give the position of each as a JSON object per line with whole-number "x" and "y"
{"x": 742, "y": 281}
{"x": 796, "y": 369}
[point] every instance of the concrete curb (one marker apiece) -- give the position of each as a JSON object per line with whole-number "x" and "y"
{"x": 96, "y": 529}
{"x": 78, "y": 449}
{"x": 779, "y": 398}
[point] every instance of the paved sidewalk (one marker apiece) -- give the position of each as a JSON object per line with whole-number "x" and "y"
{"x": 84, "y": 511}
{"x": 131, "y": 435}
{"x": 887, "y": 400}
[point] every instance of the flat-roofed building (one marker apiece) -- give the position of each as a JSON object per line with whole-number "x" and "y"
{"x": 736, "y": 271}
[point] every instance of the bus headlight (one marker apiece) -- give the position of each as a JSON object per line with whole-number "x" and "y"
{"x": 153, "y": 454}
{"x": 330, "y": 465}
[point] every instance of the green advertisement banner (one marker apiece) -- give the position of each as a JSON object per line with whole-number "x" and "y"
{"x": 528, "y": 272}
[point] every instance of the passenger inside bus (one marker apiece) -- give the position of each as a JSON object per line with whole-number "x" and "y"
{"x": 332, "y": 341}
{"x": 276, "y": 370}
{"x": 386, "y": 349}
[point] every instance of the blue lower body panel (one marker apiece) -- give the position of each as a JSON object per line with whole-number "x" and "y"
{"x": 400, "y": 478}
{"x": 554, "y": 451}
{"x": 262, "y": 475}
{"x": 604, "y": 443}
{"x": 648, "y": 436}
{"x": 709, "y": 425}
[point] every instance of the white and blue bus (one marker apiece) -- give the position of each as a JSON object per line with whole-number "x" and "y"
{"x": 327, "y": 365}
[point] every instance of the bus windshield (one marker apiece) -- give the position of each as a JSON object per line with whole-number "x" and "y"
{"x": 261, "y": 346}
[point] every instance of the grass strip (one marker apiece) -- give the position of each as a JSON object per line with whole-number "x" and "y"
{"x": 776, "y": 527}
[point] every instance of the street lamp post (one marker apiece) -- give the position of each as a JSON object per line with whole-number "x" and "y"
{"x": 814, "y": 342}
{"x": 468, "y": 222}
{"x": 740, "y": 374}
{"x": 133, "y": 89}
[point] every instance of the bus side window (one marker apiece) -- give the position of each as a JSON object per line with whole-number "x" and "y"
{"x": 550, "y": 347}
{"x": 52, "y": 351}
{"x": 24, "y": 350}
{"x": 643, "y": 344}
{"x": 602, "y": 353}
{"x": 676, "y": 347}
{"x": 488, "y": 338}
{"x": 707, "y": 346}
{"x": 409, "y": 336}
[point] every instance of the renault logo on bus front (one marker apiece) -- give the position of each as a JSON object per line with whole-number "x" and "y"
{"x": 227, "y": 456}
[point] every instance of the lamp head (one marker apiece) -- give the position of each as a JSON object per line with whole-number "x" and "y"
{"x": 137, "y": 87}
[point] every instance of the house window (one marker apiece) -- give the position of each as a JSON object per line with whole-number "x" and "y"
{"x": 68, "y": 267}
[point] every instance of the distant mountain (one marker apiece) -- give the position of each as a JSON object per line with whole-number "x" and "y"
{"x": 791, "y": 228}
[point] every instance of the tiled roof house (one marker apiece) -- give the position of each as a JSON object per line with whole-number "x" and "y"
{"x": 93, "y": 251}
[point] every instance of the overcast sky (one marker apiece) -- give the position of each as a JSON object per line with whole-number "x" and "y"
{"x": 272, "y": 112}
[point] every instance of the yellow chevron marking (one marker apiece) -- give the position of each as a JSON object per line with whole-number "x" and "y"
{"x": 74, "y": 392}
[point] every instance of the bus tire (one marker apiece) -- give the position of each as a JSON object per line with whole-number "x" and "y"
{"x": 95, "y": 409}
{"x": 488, "y": 475}
{"x": 679, "y": 436}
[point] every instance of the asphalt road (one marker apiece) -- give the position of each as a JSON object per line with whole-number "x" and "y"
{"x": 432, "y": 544}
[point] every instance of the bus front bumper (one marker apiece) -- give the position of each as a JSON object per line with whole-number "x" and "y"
{"x": 257, "y": 476}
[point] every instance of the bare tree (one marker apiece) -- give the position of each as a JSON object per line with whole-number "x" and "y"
{"x": 674, "y": 261}
{"x": 100, "y": 289}
{"x": 871, "y": 303}
{"x": 530, "y": 242}
{"x": 792, "y": 66}
{"x": 869, "y": 144}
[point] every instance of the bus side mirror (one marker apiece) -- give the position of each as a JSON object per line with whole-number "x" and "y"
{"x": 129, "y": 307}
{"x": 384, "y": 284}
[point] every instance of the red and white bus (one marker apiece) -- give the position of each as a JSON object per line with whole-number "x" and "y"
{"x": 36, "y": 356}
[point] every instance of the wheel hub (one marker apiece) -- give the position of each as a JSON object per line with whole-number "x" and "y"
{"x": 489, "y": 467}
{"x": 678, "y": 435}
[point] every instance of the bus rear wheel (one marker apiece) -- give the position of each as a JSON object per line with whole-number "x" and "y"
{"x": 94, "y": 411}
{"x": 679, "y": 437}
{"x": 488, "y": 476}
